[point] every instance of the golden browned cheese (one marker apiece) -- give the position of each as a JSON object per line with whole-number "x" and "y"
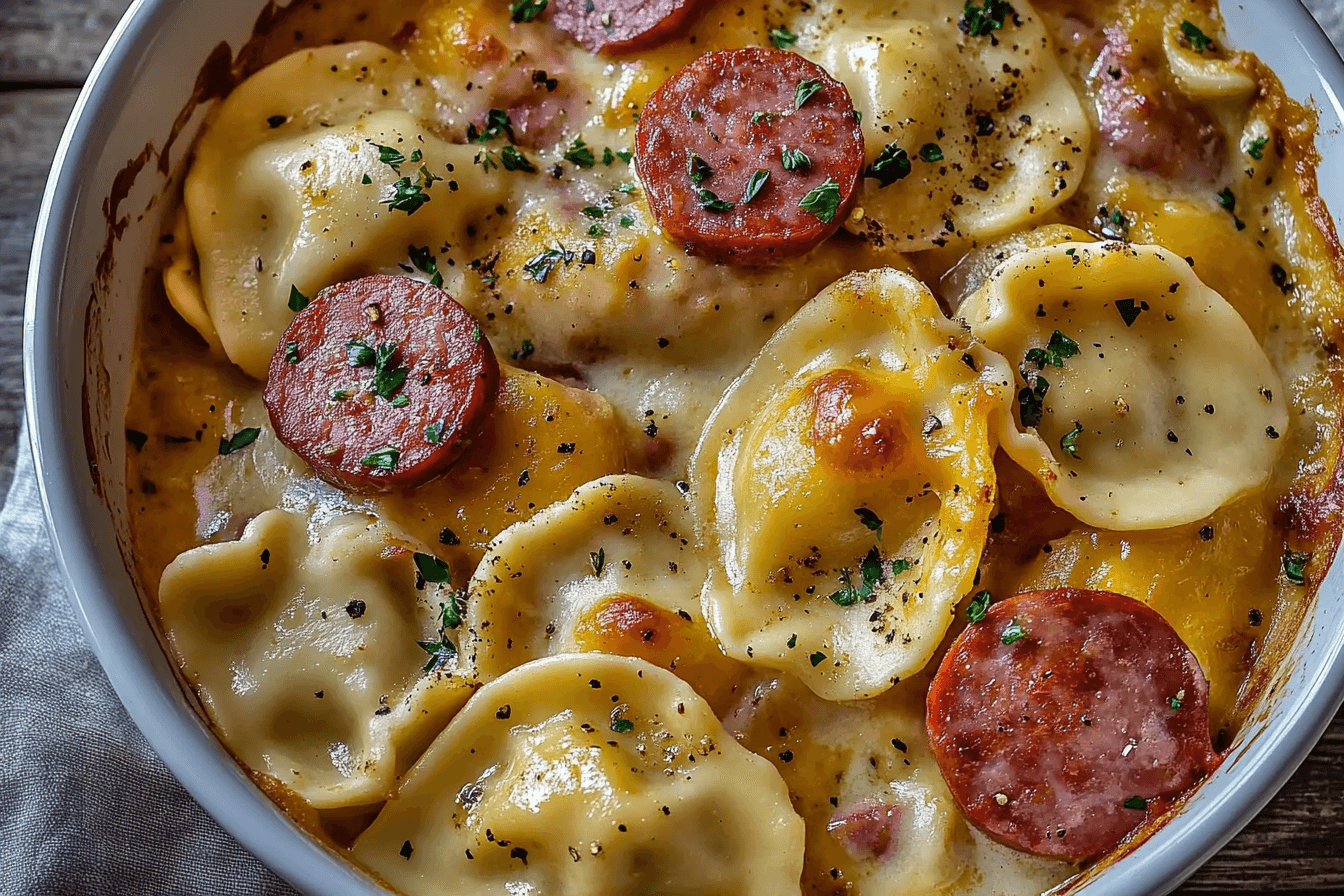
{"x": 642, "y": 339}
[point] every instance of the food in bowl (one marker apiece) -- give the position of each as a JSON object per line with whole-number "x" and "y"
{"x": 687, "y": 448}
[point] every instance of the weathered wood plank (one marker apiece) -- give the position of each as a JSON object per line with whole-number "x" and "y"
{"x": 30, "y": 124}
{"x": 1297, "y": 843}
{"x": 54, "y": 42}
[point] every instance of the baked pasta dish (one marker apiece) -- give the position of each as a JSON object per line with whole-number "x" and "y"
{"x": 678, "y": 447}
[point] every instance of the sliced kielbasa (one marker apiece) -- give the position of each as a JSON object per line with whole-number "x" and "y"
{"x": 380, "y": 383}
{"x": 622, "y": 26}
{"x": 1148, "y": 124}
{"x": 749, "y": 155}
{"x": 1062, "y": 716}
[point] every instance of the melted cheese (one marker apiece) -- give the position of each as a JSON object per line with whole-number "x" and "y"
{"x": 1169, "y": 408}
{"x": 992, "y": 131}
{"x": 613, "y": 569}
{"x": 880, "y": 820}
{"x": 306, "y": 203}
{"x": 302, "y": 683}
{"x": 587, "y": 774}
{"x": 861, "y": 436}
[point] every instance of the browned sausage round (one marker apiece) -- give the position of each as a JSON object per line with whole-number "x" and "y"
{"x": 380, "y": 383}
{"x": 749, "y": 155}
{"x": 1060, "y": 718}
{"x": 622, "y": 26}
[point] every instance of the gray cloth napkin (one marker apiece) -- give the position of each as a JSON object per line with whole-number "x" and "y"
{"x": 86, "y": 807}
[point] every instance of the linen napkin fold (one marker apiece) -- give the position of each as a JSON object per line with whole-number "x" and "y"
{"x": 86, "y": 807}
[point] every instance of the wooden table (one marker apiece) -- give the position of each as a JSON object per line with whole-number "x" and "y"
{"x": 46, "y": 50}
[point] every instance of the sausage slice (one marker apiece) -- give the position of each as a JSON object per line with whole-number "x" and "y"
{"x": 613, "y": 27}
{"x": 1060, "y": 718}
{"x": 380, "y": 383}
{"x": 750, "y": 155}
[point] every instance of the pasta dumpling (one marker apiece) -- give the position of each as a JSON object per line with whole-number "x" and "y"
{"x": 1143, "y": 399}
{"x": 613, "y": 569}
{"x": 337, "y": 182}
{"x": 969, "y": 132}
{"x": 844, "y": 487}
{"x": 880, "y": 820}
{"x": 302, "y": 648}
{"x": 587, "y": 773}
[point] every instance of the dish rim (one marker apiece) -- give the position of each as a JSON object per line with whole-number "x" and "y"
{"x": 1267, "y": 759}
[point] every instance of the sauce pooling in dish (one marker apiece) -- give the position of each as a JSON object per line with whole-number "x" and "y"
{"x": 849, "y": 382}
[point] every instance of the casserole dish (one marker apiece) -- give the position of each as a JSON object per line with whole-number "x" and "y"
{"x": 92, "y": 252}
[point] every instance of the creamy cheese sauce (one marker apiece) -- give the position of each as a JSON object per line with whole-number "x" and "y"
{"x": 1073, "y": 124}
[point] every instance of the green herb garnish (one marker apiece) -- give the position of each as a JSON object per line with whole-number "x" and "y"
{"x": 782, "y": 38}
{"x": 931, "y": 152}
{"x": 580, "y": 154}
{"x": 597, "y": 560}
{"x": 1013, "y": 633}
{"x": 978, "y": 607}
{"x": 822, "y": 202}
{"x": 892, "y": 164}
{"x": 978, "y": 20}
{"x": 795, "y": 160}
{"x": 870, "y": 520}
{"x": 754, "y": 185}
{"x": 513, "y": 160}
{"x": 426, "y": 263}
{"x": 526, "y": 10}
{"x": 241, "y": 439}
{"x": 1130, "y": 310}
{"x": 1198, "y": 40}
{"x": 1294, "y": 566}
{"x": 710, "y": 202}
{"x": 1056, "y": 350}
{"x": 622, "y": 726}
{"x": 1069, "y": 441}
{"x": 382, "y": 459}
{"x": 297, "y": 300}
{"x": 805, "y": 91}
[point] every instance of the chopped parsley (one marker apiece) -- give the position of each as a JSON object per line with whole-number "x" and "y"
{"x": 822, "y": 202}
{"x": 697, "y": 168}
{"x": 526, "y": 10}
{"x": 1198, "y": 40}
{"x": 931, "y": 152}
{"x": 432, "y": 569}
{"x": 870, "y": 520}
{"x": 622, "y": 726}
{"x": 390, "y": 155}
{"x": 892, "y": 164}
{"x": 434, "y": 432}
{"x": 1176, "y": 702}
{"x": 1069, "y": 441}
{"x": 540, "y": 266}
{"x": 594, "y": 211}
{"x": 1113, "y": 224}
{"x": 366, "y": 180}
{"x": 767, "y": 117}
{"x": 513, "y": 160}
{"x": 1130, "y": 309}
{"x": 241, "y": 439}
{"x": 817, "y": 659}
{"x": 1256, "y": 148}
{"x": 597, "y": 560}
{"x": 382, "y": 459}
{"x": 805, "y": 91}
{"x": 297, "y": 300}
{"x": 408, "y": 195}
{"x": 1137, "y": 803}
{"x": 1031, "y": 400}
{"x": 291, "y": 353}
{"x": 401, "y": 401}
{"x": 580, "y": 154}
{"x": 1013, "y": 633}
{"x": 870, "y": 570}
{"x": 1056, "y": 350}
{"x": 795, "y": 160}
{"x": 523, "y": 351}
{"x": 754, "y": 185}
{"x": 426, "y": 263}
{"x": 899, "y": 566}
{"x": 782, "y": 38}
{"x": 597, "y": 230}
{"x": 792, "y": 642}
{"x": 626, "y": 220}
{"x": 978, "y": 607}
{"x": 1227, "y": 199}
{"x": 1294, "y": 566}
{"x": 978, "y": 20}
{"x": 441, "y": 653}
{"x": 710, "y": 202}
{"x": 359, "y": 353}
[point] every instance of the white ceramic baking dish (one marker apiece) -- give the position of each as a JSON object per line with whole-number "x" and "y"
{"x": 84, "y": 280}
